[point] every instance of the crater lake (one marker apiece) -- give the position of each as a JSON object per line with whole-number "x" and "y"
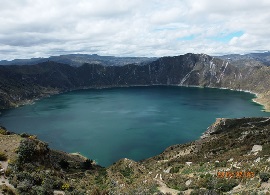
{"x": 134, "y": 122}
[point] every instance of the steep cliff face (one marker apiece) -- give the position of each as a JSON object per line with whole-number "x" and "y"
{"x": 20, "y": 83}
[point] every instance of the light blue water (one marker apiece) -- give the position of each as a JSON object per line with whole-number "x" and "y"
{"x": 137, "y": 122}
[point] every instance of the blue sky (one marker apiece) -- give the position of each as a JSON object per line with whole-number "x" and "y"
{"x": 38, "y": 28}
{"x": 226, "y": 38}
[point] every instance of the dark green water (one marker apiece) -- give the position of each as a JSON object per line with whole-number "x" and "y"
{"x": 137, "y": 122}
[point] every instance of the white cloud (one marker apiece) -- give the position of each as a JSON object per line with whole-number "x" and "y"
{"x": 36, "y": 28}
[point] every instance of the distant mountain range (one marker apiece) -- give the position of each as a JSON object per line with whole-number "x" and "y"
{"x": 80, "y": 59}
{"x": 252, "y": 59}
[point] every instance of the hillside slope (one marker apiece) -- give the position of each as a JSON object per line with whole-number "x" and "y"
{"x": 232, "y": 157}
{"x": 19, "y": 84}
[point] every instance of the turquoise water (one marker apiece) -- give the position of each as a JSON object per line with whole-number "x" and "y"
{"x": 137, "y": 122}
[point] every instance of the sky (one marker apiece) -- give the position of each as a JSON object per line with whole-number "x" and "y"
{"x": 151, "y": 28}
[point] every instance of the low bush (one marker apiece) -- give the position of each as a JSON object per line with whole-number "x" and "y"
{"x": 226, "y": 185}
{"x": 3, "y": 156}
{"x": 264, "y": 177}
{"x": 64, "y": 164}
{"x": 206, "y": 181}
{"x": 3, "y": 131}
{"x": 24, "y": 186}
{"x": 87, "y": 164}
{"x": 127, "y": 172}
{"x": 174, "y": 170}
{"x": 24, "y": 135}
{"x": 220, "y": 164}
{"x": 65, "y": 186}
{"x": 26, "y": 151}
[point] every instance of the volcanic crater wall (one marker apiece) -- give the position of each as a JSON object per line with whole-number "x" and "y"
{"x": 20, "y": 84}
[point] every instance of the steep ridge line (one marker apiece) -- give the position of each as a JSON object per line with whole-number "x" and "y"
{"x": 21, "y": 84}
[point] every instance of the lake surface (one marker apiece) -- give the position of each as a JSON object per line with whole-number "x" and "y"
{"x": 136, "y": 123}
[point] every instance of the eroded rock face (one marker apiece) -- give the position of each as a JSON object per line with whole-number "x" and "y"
{"x": 225, "y": 125}
{"x": 21, "y": 83}
{"x": 216, "y": 127}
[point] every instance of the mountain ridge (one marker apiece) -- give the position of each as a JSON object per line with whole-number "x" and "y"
{"x": 20, "y": 84}
{"x": 251, "y": 59}
{"x": 80, "y": 59}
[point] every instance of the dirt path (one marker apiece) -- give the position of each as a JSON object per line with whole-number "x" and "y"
{"x": 3, "y": 179}
{"x": 164, "y": 189}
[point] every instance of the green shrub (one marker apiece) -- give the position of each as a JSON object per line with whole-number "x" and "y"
{"x": 226, "y": 185}
{"x": 264, "y": 177}
{"x": 47, "y": 186}
{"x": 180, "y": 187}
{"x": 3, "y": 131}
{"x": 127, "y": 172}
{"x": 8, "y": 172}
{"x": 174, "y": 170}
{"x": 24, "y": 135}
{"x": 206, "y": 181}
{"x": 3, "y": 156}
{"x": 97, "y": 191}
{"x": 23, "y": 176}
{"x": 26, "y": 151}
{"x": 64, "y": 164}
{"x": 65, "y": 186}
{"x": 87, "y": 164}
{"x": 57, "y": 184}
{"x": 36, "y": 178}
{"x": 220, "y": 164}
{"x": 102, "y": 175}
{"x": 24, "y": 186}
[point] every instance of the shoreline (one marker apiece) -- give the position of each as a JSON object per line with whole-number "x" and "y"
{"x": 32, "y": 101}
{"x": 258, "y": 99}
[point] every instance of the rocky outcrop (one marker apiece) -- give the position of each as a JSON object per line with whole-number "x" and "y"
{"x": 224, "y": 125}
{"x": 232, "y": 150}
{"x": 21, "y": 83}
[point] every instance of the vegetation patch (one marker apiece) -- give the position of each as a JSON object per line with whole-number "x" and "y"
{"x": 126, "y": 172}
{"x": 264, "y": 177}
{"x": 3, "y": 131}
{"x": 3, "y": 156}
